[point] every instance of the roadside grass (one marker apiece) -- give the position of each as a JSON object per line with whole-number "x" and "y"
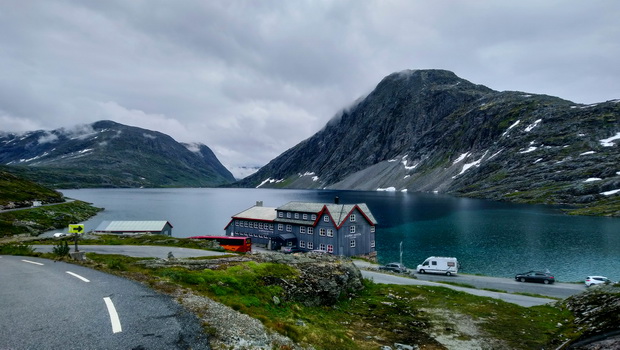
{"x": 155, "y": 240}
{"x": 17, "y": 249}
{"x": 377, "y": 315}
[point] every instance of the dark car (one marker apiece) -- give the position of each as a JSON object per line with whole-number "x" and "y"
{"x": 535, "y": 276}
{"x": 395, "y": 267}
{"x": 291, "y": 250}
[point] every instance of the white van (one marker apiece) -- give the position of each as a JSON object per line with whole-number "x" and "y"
{"x": 439, "y": 264}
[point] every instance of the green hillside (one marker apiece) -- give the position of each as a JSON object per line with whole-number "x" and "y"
{"x": 22, "y": 192}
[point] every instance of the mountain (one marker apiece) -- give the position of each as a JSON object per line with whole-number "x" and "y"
{"x": 429, "y": 130}
{"x": 109, "y": 154}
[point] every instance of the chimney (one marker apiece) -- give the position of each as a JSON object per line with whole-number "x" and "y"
{"x": 259, "y": 203}
{"x": 336, "y": 200}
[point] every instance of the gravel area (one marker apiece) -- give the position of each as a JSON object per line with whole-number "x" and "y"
{"x": 231, "y": 330}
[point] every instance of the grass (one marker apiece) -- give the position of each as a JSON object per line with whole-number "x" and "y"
{"x": 35, "y": 221}
{"x": 378, "y": 315}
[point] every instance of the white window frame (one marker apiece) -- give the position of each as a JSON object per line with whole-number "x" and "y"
{"x": 330, "y": 248}
{"x": 296, "y": 215}
{"x": 322, "y": 232}
{"x": 352, "y": 229}
{"x": 330, "y": 232}
{"x": 280, "y": 214}
{"x": 372, "y": 229}
{"x": 302, "y": 244}
{"x": 352, "y": 243}
{"x": 289, "y": 228}
{"x": 302, "y": 229}
{"x": 288, "y": 215}
{"x": 310, "y": 245}
{"x": 352, "y": 217}
{"x": 280, "y": 227}
{"x": 305, "y": 216}
{"x": 372, "y": 244}
{"x": 326, "y": 218}
{"x": 313, "y": 217}
{"x": 310, "y": 230}
{"x": 322, "y": 246}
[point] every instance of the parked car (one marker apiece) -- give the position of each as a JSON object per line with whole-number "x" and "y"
{"x": 535, "y": 276}
{"x": 61, "y": 234}
{"x": 395, "y": 267}
{"x": 291, "y": 250}
{"x": 596, "y": 280}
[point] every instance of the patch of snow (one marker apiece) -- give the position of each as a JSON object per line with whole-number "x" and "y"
{"x": 581, "y": 135}
{"x": 586, "y": 153}
{"x": 592, "y": 179}
{"x": 86, "y": 150}
{"x": 617, "y": 172}
{"x": 410, "y": 167}
{"x": 494, "y": 154}
{"x": 533, "y": 125}
{"x": 609, "y": 193}
{"x": 269, "y": 180}
{"x": 404, "y": 190}
{"x": 537, "y": 160}
{"x": 406, "y": 176}
{"x": 608, "y": 142}
{"x": 389, "y": 189}
{"x": 461, "y": 157}
{"x": 149, "y": 136}
{"x": 308, "y": 173}
{"x": 392, "y": 160}
{"x": 590, "y": 106}
{"x": 510, "y": 127}
{"x": 530, "y": 149}
{"x": 526, "y": 95}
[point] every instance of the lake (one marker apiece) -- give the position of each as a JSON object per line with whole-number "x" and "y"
{"x": 489, "y": 238}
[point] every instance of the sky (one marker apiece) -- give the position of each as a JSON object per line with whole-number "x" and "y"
{"x": 251, "y": 79}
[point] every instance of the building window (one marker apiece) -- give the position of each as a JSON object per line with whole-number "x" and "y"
{"x": 302, "y": 244}
{"x": 289, "y": 228}
{"x": 270, "y": 227}
{"x": 352, "y": 245}
{"x": 313, "y": 217}
{"x": 288, "y": 215}
{"x": 296, "y": 215}
{"x": 372, "y": 229}
{"x": 305, "y": 216}
{"x": 289, "y": 243}
{"x": 260, "y": 225}
{"x": 236, "y": 223}
{"x": 280, "y": 214}
{"x": 245, "y": 224}
{"x": 310, "y": 245}
{"x": 322, "y": 246}
{"x": 372, "y": 244}
{"x": 352, "y": 229}
{"x": 352, "y": 217}
{"x": 330, "y": 232}
{"x": 330, "y": 248}
{"x": 326, "y": 218}
{"x": 322, "y": 232}
{"x": 302, "y": 229}
{"x": 310, "y": 230}
{"x": 256, "y": 225}
{"x": 280, "y": 227}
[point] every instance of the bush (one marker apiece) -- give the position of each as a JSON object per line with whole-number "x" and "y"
{"x": 61, "y": 249}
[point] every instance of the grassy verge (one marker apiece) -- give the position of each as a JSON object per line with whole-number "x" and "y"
{"x": 378, "y": 315}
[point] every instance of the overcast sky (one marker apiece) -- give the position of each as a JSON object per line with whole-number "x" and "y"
{"x": 251, "y": 79}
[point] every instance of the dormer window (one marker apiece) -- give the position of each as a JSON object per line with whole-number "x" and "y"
{"x": 326, "y": 218}
{"x": 352, "y": 217}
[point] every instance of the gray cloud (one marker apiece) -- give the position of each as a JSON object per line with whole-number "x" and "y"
{"x": 251, "y": 79}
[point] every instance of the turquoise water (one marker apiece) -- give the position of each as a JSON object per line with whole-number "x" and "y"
{"x": 489, "y": 238}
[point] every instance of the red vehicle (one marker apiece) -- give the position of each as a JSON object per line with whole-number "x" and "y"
{"x": 233, "y": 244}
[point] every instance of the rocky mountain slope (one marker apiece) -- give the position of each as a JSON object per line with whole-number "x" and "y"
{"x": 429, "y": 130}
{"x": 109, "y": 154}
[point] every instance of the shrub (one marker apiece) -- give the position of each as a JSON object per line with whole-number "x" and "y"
{"x": 17, "y": 249}
{"x": 61, "y": 249}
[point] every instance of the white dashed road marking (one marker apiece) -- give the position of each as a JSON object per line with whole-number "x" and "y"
{"x": 78, "y": 276}
{"x": 116, "y": 323}
{"x": 32, "y": 262}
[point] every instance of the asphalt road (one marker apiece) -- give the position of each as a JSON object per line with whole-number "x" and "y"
{"x": 55, "y": 305}
{"x": 136, "y": 250}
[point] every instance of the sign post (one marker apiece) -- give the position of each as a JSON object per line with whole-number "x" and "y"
{"x": 76, "y": 230}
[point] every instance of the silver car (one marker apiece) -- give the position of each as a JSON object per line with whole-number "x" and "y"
{"x": 596, "y": 280}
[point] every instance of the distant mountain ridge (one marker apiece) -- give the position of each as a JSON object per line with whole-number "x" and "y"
{"x": 109, "y": 154}
{"x": 429, "y": 130}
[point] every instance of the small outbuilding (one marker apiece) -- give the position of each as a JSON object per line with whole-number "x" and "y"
{"x": 135, "y": 227}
